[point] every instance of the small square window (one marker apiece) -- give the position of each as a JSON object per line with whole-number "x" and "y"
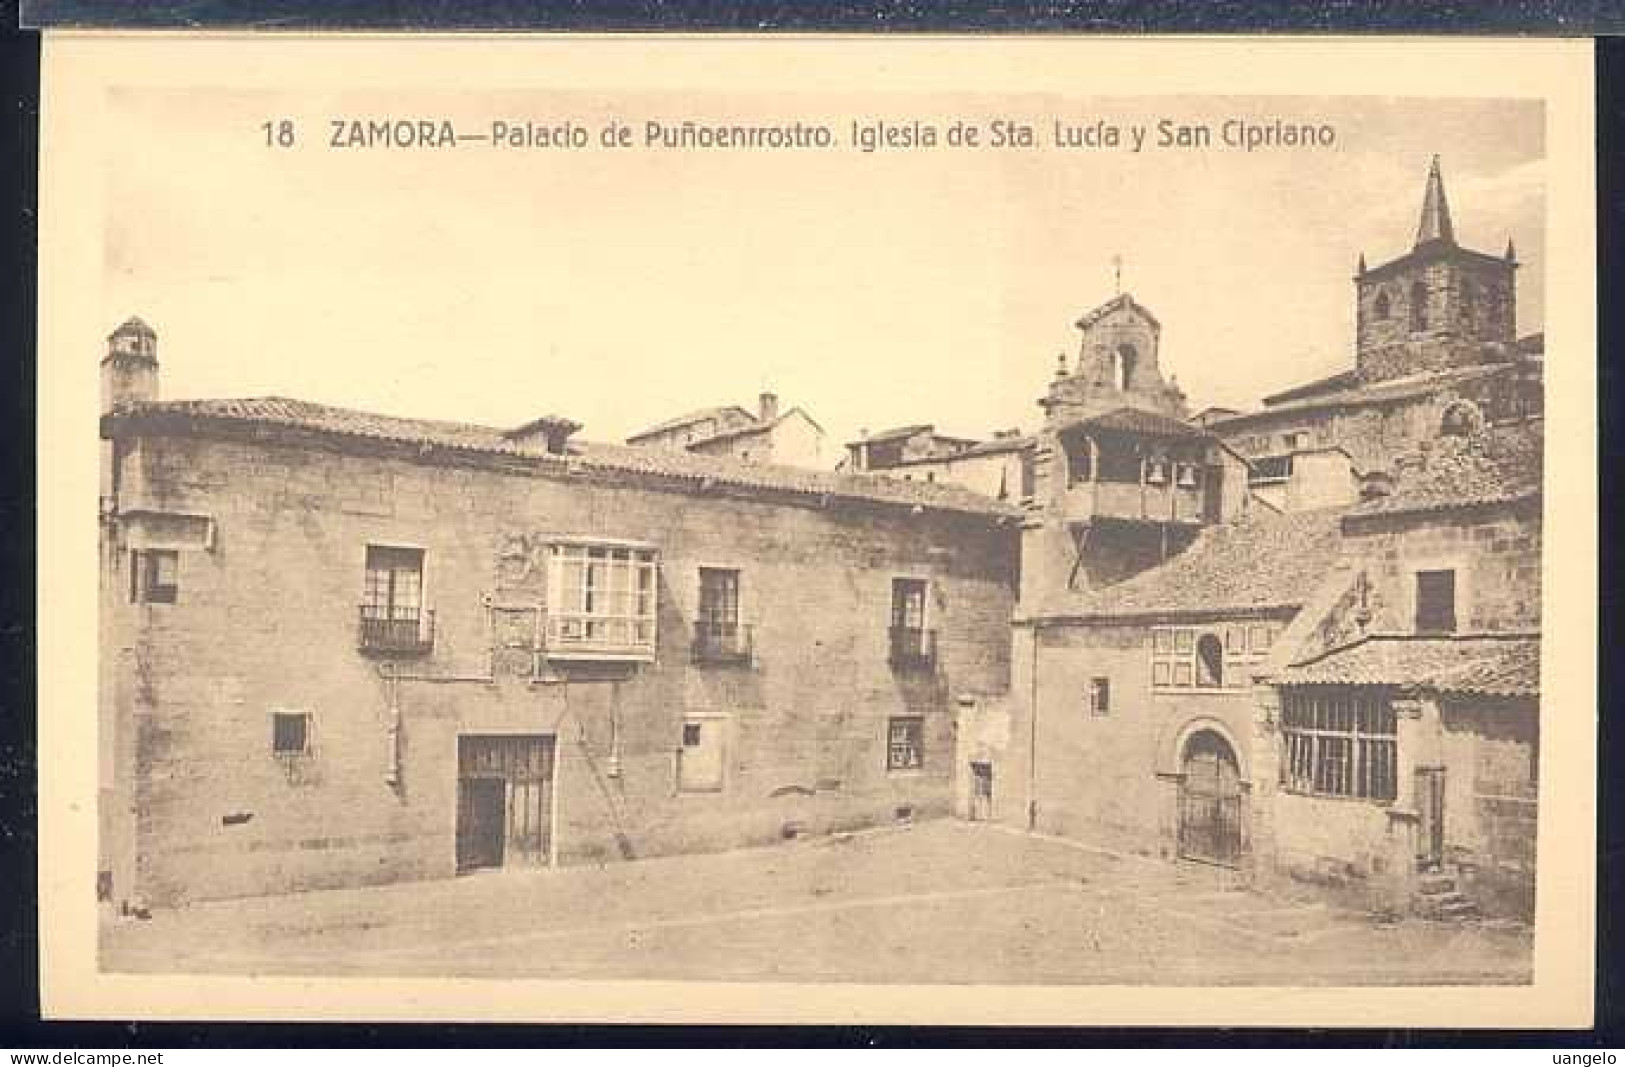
{"x": 1100, "y": 696}
{"x": 1162, "y": 641}
{"x": 1182, "y": 640}
{"x": 1261, "y": 638}
{"x": 1182, "y": 674}
{"x": 154, "y": 576}
{"x": 691, "y": 734}
{"x": 290, "y": 733}
{"x": 1160, "y": 673}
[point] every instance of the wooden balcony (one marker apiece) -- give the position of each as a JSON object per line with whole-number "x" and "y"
{"x": 1088, "y": 502}
{"x": 600, "y": 637}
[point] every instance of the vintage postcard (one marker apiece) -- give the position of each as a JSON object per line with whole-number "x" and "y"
{"x": 818, "y": 529}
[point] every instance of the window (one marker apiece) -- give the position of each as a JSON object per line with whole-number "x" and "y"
{"x": 392, "y": 597}
{"x": 905, "y": 743}
{"x": 1419, "y": 306}
{"x": 1269, "y": 470}
{"x": 1436, "y": 602}
{"x": 154, "y": 576}
{"x": 290, "y": 733}
{"x": 912, "y": 645}
{"x": 1100, "y": 696}
{"x": 1209, "y": 662}
{"x": 1214, "y": 657}
{"x": 601, "y": 601}
{"x": 1295, "y": 439}
{"x": 718, "y": 633}
{"x": 1339, "y": 743}
{"x": 1380, "y": 308}
{"x": 719, "y": 600}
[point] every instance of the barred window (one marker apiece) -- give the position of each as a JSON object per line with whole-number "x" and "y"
{"x": 1339, "y": 743}
{"x": 905, "y": 743}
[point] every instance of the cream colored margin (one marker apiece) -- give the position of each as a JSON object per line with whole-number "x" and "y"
{"x": 77, "y": 68}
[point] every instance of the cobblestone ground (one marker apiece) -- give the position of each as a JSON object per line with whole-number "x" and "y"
{"x": 938, "y": 902}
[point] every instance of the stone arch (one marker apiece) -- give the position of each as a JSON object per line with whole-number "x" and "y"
{"x": 1461, "y": 418}
{"x": 1419, "y": 305}
{"x": 1172, "y": 744}
{"x": 1125, "y": 361}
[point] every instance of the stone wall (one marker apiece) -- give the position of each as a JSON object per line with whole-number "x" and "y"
{"x": 266, "y": 619}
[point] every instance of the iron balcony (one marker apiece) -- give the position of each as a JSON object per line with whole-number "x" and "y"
{"x": 395, "y": 632}
{"x": 913, "y": 648}
{"x": 723, "y": 644}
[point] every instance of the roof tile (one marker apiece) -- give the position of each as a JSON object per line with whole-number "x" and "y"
{"x": 1497, "y": 665}
{"x": 685, "y": 466}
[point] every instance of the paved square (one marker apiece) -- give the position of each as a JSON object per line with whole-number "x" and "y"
{"x": 939, "y": 902}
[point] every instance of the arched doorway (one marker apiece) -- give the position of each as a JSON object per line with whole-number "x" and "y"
{"x": 1210, "y": 801}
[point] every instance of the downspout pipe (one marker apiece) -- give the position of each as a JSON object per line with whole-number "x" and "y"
{"x": 1032, "y": 734}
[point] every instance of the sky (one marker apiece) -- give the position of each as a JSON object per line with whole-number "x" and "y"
{"x": 873, "y": 290}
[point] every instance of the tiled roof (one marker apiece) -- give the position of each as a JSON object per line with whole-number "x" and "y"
{"x": 759, "y": 427}
{"x": 1341, "y": 380}
{"x": 664, "y": 463}
{"x": 1476, "y": 665}
{"x": 1500, "y": 465}
{"x": 1265, "y": 561}
{"x": 1121, "y": 300}
{"x": 693, "y": 416}
{"x": 1376, "y": 393}
{"x": 899, "y": 431}
{"x": 1011, "y": 443}
{"x": 1137, "y": 421}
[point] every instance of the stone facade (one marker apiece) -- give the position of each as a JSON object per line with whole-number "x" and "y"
{"x": 271, "y": 527}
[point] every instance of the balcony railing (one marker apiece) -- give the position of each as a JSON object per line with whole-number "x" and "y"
{"x": 725, "y": 644}
{"x": 913, "y": 648}
{"x": 395, "y": 632}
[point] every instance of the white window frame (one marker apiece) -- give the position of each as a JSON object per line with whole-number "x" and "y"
{"x": 582, "y": 622}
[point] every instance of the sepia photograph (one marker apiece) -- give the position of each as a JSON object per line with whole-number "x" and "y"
{"x": 822, "y": 534}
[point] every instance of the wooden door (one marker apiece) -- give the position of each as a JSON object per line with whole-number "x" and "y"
{"x": 1210, "y": 802}
{"x": 1430, "y": 811}
{"x": 505, "y": 801}
{"x": 981, "y": 792}
{"x": 481, "y": 821}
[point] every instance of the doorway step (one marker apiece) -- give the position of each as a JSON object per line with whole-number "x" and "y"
{"x": 1439, "y": 897}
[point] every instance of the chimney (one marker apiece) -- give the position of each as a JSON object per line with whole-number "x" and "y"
{"x": 130, "y": 367}
{"x": 550, "y": 433}
{"x": 768, "y": 407}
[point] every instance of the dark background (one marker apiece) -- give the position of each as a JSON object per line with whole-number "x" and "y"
{"x": 20, "y": 1026}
